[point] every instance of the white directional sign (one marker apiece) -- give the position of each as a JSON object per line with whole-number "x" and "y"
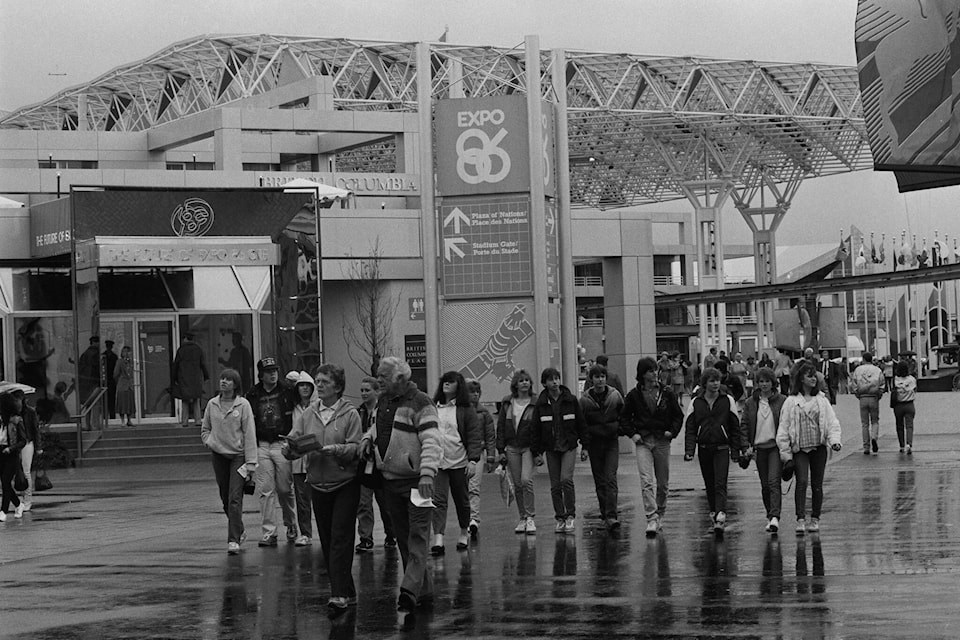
{"x": 486, "y": 247}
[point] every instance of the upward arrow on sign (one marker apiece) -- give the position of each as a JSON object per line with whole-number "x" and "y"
{"x": 456, "y": 217}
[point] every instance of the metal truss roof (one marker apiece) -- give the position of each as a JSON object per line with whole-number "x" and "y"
{"x": 641, "y": 129}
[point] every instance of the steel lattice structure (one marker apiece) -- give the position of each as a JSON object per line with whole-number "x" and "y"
{"x": 639, "y": 126}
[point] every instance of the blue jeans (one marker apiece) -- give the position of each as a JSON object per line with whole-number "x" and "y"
{"x": 869, "y": 419}
{"x": 521, "y": 467}
{"x": 230, "y": 484}
{"x": 769, "y": 468}
{"x": 274, "y": 478}
{"x": 412, "y": 526}
{"x": 560, "y": 466}
{"x": 904, "y": 413}
{"x": 653, "y": 464}
{"x": 303, "y": 492}
{"x": 604, "y": 461}
{"x": 810, "y": 466}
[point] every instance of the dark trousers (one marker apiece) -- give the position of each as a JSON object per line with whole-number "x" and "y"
{"x": 336, "y": 512}
{"x": 112, "y": 398}
{"x": 905, "y": 413}
{"x": 365, "y": 514}
{"x": 604, "y": 461}
{"x": 456, "y": 481}
{"x": 9, "y": 463}
{"x": 231, "y": 492}
{"x": 563, "y": 493}
{"x": 768, "y": 468}
{"x": 303, "y": 494}
{"x": 411, "y": 524}
{"x": 714, "y": 467}
{"x": 810, "y": 467}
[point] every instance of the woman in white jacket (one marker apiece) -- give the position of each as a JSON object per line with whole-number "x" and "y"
{"x": 808, "y": 425}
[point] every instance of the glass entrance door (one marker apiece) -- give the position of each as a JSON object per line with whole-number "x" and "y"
{"x": 155, "y": 341}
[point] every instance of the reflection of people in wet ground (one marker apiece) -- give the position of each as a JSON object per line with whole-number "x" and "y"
{"x": 808, "y": 425}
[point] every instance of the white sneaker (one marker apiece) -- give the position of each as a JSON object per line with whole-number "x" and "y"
{"x": 18, "y": 512}
{"x": 521, "y": 526}
{"x": 570, "y": 525}
{"x": 233, "y": 548}
{"x": 720, "y": 522}
{"x": 561, "y": 526}
{"x": 814, "y": 525}
{"x": 774, "y": 525}
{"x": 801, "y": 527}
{"x": 531, "y": 526}
{"x": 652, "y": 526}
{"x": 27, "y": 506}
{"x": 3, "y": 516}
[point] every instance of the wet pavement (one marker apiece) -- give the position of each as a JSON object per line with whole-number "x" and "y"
{"x": 140, "y": 552}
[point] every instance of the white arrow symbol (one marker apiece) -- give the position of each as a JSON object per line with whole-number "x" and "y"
{"x": 450, "y": 246}
{"x": 456, "y": 216}
{"x": 551, "y": 222}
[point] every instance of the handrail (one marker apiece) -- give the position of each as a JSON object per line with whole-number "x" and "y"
{"x": 85, "y": 410}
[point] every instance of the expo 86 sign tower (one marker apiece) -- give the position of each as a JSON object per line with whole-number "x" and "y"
{"x": 498, "y": 237}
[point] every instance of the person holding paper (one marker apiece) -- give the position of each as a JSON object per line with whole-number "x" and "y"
{"x": 228, "y": 431}
{"x": 405, "y": 443}
{"x": 332, "y": 476}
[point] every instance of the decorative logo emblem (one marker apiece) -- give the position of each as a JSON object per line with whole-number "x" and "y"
{"x": 481, "y": 158}
{"x": 192, "y": 218}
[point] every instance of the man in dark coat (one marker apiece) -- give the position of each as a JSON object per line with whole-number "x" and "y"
{"x": 189, "y": 374}
{"x": 110, "y": 358}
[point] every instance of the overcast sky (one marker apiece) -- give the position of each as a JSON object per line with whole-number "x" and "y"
{"x": 48, "y": 45}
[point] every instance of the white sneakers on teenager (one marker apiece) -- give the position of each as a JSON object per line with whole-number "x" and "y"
{"x": 531, "y": 526}
{"x": 521, "y": 526}
{"x": 774, "y": 525}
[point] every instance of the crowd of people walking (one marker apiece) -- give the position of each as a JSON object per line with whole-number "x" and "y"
{"x": 309, "y": 449}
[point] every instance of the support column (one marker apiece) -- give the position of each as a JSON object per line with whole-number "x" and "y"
{"x": 538, "y": 213}
{"x": 568, "y": 300}
{"x": 428, "y": 216}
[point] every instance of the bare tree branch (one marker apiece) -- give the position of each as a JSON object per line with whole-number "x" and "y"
{"x": 368, "y": 338}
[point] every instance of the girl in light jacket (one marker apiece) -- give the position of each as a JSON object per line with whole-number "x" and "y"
{"x": 332, "y": 476}
{"x": 808, "y": 425}
{"x": 761, "y": 419}
{"x": 902, "y": 395}
{"x": 462, "y": 441}
{"x": 228, "y": 431}
{"x": 514, "y": 428}
{"x": 306, "y": 396}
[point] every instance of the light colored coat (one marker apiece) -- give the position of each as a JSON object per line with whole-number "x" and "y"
{"x": 788, "y": 433}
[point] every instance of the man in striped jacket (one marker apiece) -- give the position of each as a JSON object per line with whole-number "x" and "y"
{"x": 405, "y": 444}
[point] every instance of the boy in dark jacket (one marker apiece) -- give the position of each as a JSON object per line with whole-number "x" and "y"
{"x": 713, "y": 431}
{"x": 558, "y": 425}
{"x": 601, "y": 406}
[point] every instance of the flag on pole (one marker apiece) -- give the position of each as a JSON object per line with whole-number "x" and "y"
{"x": 914, "y": 253}
{"x": 873, "y": 250}
{"x": 861, "y": 259}
{"x": 842, "y": 253}
{"x": 882, "y": 257}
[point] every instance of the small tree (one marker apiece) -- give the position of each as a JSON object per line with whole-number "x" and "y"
{"x": 368, "y": 337}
